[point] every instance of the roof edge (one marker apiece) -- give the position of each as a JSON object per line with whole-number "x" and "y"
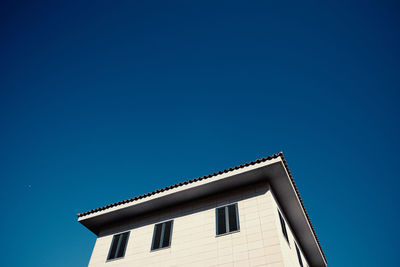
{"x": 302, "y": 204}
{"x": 179, "y": 184}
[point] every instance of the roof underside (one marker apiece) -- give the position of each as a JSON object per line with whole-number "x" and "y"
{"x": 273, "y": 169}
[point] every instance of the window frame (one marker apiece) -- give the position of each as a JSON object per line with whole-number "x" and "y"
{"x": 227, "y": 219}
{"x": 118, "y": 246}
{"x": 283, "y": 226}
{"x": 161, "y": 235}
{"x": 298, "y": 252}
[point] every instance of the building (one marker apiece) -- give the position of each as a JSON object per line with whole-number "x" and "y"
{"x": 249, "y": 215}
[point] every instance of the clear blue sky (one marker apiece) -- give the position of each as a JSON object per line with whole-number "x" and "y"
{"x": 104, "y": 100}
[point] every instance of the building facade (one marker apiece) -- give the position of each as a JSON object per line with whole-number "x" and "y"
{"x": 249, "y": 215}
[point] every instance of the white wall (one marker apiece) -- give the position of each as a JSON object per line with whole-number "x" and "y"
{"x": 194, "y": 241}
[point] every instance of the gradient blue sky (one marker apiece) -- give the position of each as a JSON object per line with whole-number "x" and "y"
{"x": 104, "y": 100}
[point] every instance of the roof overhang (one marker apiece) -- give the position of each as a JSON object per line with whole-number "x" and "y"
{"x": 273, "y": 171}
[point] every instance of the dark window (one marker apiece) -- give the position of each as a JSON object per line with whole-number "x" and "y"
{"x": 299, "y": 256}
{"x": 283, "y": 225}
{"x": 162, "y": 235}
{"x": 221, "y": 221}
{"x": 227, "y": 219}
{"x": 118, "y": 246}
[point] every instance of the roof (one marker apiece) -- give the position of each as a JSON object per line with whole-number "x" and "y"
{"x": 179, "y": 184}
{"x": 274, "y": 156}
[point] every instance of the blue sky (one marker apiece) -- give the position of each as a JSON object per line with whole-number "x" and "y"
{"x": 104, "y": 100}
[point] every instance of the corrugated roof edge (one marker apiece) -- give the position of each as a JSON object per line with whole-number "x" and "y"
{"x": 280, "y": 154}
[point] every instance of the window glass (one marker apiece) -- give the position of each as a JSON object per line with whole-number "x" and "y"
{"x": 167, "y": 234}
{"x": 227, "y": 219}
{"x": 122, "y": 246}
{"x": 221, "y": 221}
{"x": 118, "y": 246}
{"x": 283, "y": 225}
{"x": 157, "y": 236}
{"x": 113, "y": 248}
{"x": 162, "y": 235}
{"x": 233, "y": 226}
{"x": 299, "y": 256}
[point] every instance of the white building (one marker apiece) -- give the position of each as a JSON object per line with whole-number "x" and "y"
{"x": 249, "y": 215}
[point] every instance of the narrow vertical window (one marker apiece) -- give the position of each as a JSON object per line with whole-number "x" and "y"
{"x": 283, "y": 225}
{"x": 233, "y": 219}
{"x": 221, "y": 221}
{"x": 157, "y": 236}
{"x": 299, "y": 256}
{"x": 227, "y": 219}
{"x": 118, "y": 246}
{"x": 122, "y": 245}
{"x": 162, "y": 235}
